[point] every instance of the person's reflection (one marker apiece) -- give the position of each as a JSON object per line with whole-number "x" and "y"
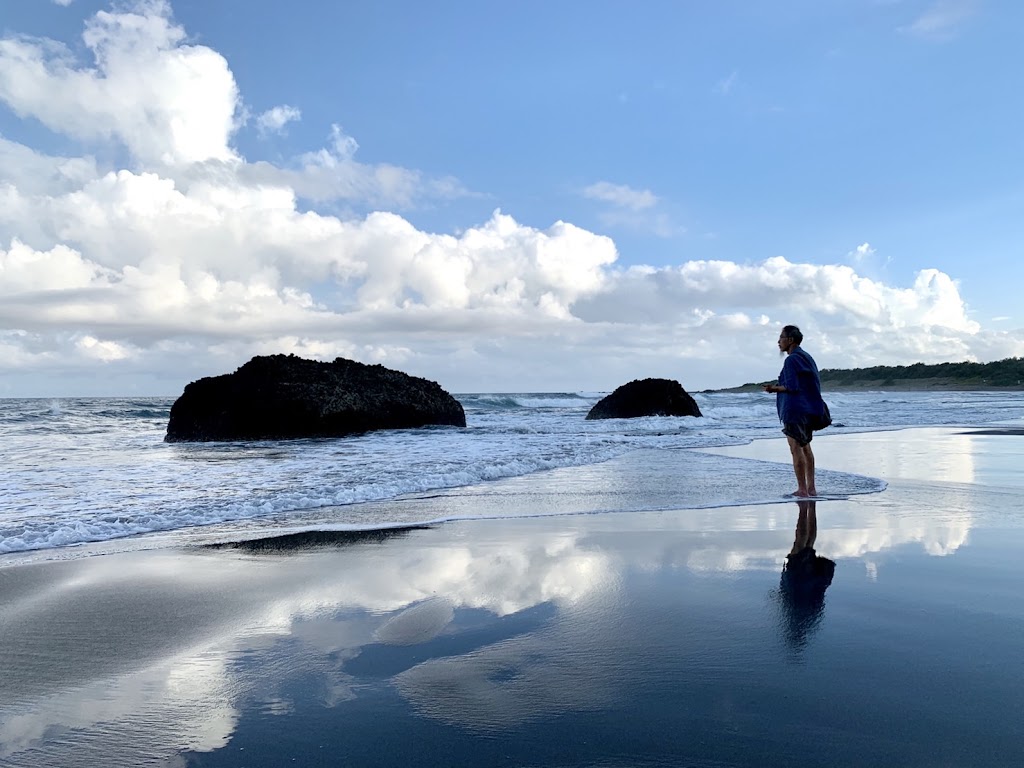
{"x": 805, "y": 577}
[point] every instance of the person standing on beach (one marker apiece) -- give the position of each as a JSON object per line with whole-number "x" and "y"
{"x": 798, "y": 400}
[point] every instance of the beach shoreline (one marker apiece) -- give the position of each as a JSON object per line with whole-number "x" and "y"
{"x": 650, "y": 636}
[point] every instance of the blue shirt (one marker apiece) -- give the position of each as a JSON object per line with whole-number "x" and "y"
{"x": 802, "y": 397}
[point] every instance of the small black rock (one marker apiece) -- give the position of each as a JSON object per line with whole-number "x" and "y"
{"x": 646, "y": 397}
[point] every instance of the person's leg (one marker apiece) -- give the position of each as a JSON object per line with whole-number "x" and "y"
{"x": 809, "y": 470}
{"x": 800, "y": 537}
{"x": 799, "y": 466}
{"x": 806, "y": 526}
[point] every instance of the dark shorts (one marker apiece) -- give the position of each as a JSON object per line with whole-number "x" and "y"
{"x": 801, "y": 432}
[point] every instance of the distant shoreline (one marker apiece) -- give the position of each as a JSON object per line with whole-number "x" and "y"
{"x": 999, "y": 376}
{"x": 908, "y": 385}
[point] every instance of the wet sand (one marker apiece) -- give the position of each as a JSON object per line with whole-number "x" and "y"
{"x": 886, "y": 633}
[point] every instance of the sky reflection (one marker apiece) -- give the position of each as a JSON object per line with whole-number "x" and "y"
{"x": 486, "y": 627}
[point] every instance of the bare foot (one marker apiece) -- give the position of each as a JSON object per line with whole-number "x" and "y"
{"x": 801, "y": 494}
{"x": 812, "y": 492}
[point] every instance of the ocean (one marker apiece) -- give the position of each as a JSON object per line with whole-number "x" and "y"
{"x": 83, "y": 475}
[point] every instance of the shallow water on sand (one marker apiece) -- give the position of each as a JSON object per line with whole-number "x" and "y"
{"x": 673, "y": 637}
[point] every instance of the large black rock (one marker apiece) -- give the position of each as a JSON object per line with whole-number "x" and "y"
{"x": 646, "y": 397}
{"x": 284, "y": 396}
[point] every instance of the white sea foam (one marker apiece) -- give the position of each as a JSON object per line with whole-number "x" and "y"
{"x": 90, "y": 470}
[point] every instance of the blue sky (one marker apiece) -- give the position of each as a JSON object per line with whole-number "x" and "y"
{"x": 674, "y": 180}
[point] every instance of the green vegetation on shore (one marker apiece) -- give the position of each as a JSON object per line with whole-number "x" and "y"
{"x": 1002, "y": 374}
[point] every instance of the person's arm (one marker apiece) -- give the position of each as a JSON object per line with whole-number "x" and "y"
{"x": 793, "y": 370}
{"x": 787, "y": 380}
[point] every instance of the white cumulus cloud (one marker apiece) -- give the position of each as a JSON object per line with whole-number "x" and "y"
{"x": 188, "y": 258}
{"x": 274, "y": 120}
{"x": 166, "y": 101}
